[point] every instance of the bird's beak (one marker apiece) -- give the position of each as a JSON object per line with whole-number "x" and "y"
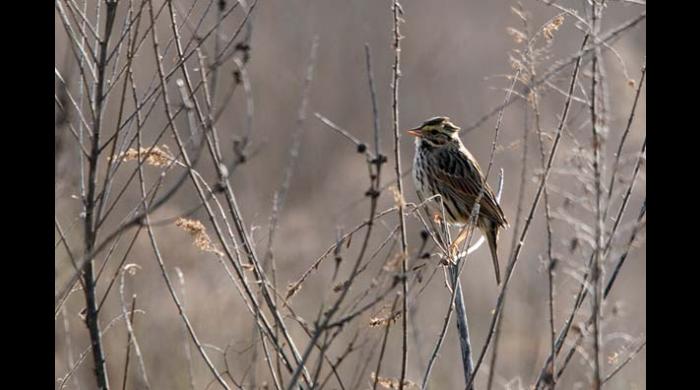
{"x": 415, "y": 132}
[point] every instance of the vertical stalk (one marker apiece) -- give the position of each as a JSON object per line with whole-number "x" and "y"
{"x": 90, "y": 231}
{"x": 462, "y": 327}
{"x": 597, "y": 261}
{"x": 396, "y": 8}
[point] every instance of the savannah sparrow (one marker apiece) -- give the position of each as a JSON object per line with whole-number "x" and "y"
{"x": 443, "y": 166}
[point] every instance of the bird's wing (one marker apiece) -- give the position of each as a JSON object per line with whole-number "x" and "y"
{"x": 463, "y": 176}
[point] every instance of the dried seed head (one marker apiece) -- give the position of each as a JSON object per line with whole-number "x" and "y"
{"x": 551, "y": 27}
{"x": 392, "y": 383}
{"x": 197, "y": 230}
{"x": 155, "y": 156}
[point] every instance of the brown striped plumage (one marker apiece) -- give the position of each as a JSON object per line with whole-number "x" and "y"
{"x": 442, "y": 165}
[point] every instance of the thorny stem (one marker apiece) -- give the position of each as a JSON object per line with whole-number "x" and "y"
{"x": 396, "y": 8}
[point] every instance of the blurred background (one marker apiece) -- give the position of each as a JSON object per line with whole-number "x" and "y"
{"x": 456, "y": 61}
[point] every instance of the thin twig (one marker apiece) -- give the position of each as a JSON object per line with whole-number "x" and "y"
{"x": 396, "y": 9}
{"x": 623, "y": 257}
{"x": 528, "y": 221}
{"x": 186, "y": 341}
{"x": 373, "y": 96}
{"x": 624, "y": 363}
{"x": 611, "y": 35}
{"x": 131, "y": 338}
{"x": 618, "y": 153}
{"x": 151, "y": 234}
{"x": 385, "y": 337}
{"x": 597, "y": 266}
{"x": 90, "y": 202}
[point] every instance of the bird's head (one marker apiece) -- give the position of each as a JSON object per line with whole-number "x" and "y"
{"x": 437, "y": 131}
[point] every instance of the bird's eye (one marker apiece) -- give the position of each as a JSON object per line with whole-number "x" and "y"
{"x": 433, "y": 132}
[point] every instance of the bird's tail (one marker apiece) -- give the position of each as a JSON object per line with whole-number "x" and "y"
{"x": 492, "y": 237}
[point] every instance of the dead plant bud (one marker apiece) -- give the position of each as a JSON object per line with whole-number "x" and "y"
{"x": 341, "y": 286}
{"x": 424, "y": 234}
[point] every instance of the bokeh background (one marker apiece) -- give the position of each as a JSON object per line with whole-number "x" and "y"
{"x": 455, "y": 61}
